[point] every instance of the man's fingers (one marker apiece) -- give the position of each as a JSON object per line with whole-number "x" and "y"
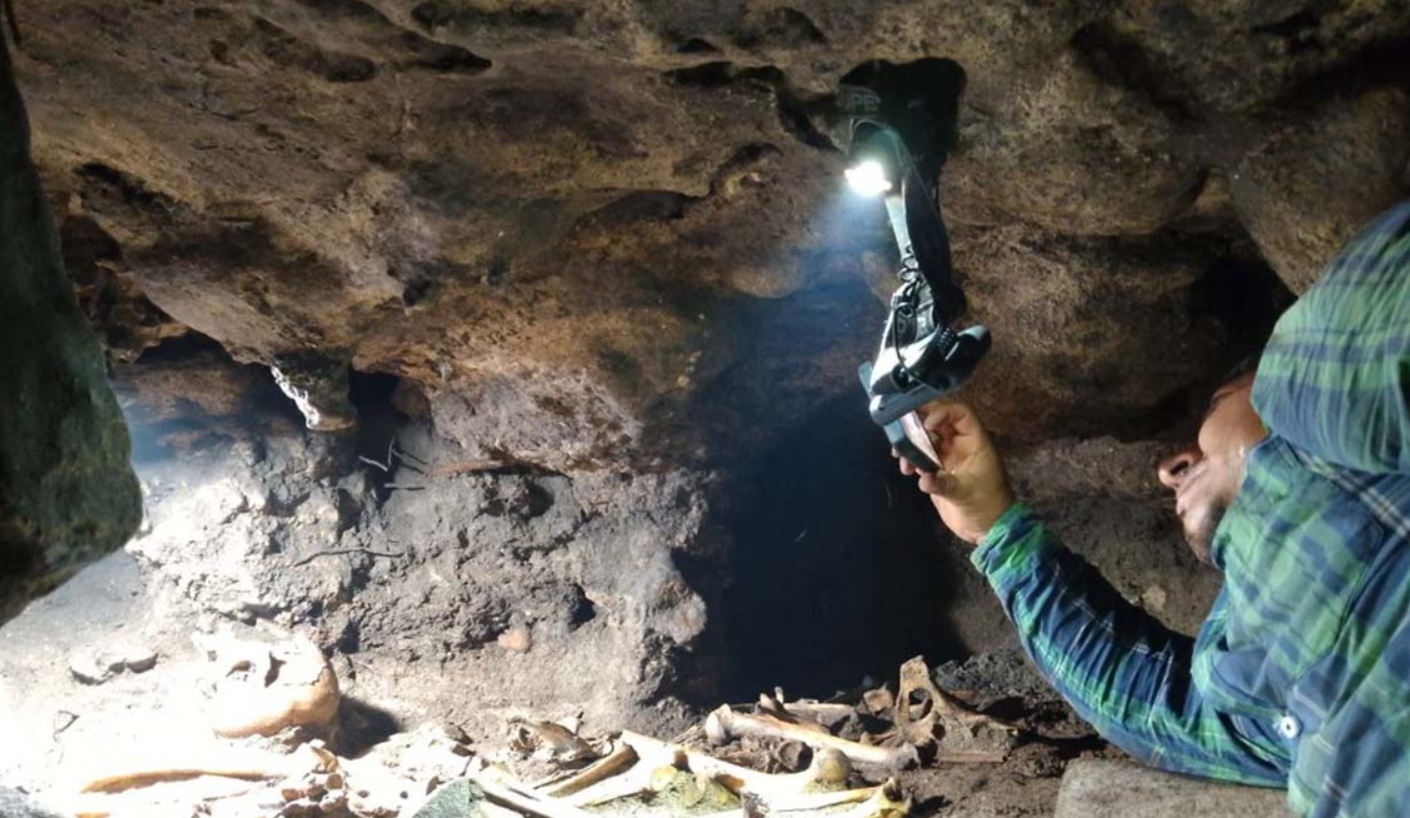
{"x": 937, "y": 483}
{"x": 907, "y": 467}
{"x": 956, "y": 416}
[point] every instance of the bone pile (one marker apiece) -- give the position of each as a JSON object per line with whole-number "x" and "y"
{"x": 774, "y": 758}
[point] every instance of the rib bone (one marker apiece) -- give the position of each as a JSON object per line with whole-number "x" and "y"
{"x": 621, "y": 757}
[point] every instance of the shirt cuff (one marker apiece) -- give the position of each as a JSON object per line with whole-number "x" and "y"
{"x": 1007, "y": 532}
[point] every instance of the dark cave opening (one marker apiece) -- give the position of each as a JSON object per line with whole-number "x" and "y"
{"x": 840, "y": 568}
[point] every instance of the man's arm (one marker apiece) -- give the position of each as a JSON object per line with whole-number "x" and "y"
{"x": 1115, "y": 664}
{"x": 1119, "y": 668}
{"x": 1334, "y": 379}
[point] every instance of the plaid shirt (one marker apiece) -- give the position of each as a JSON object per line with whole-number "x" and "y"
{"x": 1300, "y": 677}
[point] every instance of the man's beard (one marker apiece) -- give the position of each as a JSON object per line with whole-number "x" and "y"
{"x": 1199, "y": 531}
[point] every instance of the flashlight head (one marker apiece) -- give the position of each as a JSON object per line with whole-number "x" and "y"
{"x": 868, "y": 178}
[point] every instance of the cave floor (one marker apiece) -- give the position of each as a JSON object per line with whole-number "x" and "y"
{"x": 145, "y": 693}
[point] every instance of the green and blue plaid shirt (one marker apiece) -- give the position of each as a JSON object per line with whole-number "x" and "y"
{"x": 1300, "y": 677}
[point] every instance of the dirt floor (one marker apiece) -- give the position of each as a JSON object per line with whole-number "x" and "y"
{"x": 65, "y": 729}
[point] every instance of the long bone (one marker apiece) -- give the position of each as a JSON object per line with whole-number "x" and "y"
{"x": 725, "y": 723}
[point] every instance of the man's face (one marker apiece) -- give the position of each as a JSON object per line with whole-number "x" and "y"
{"x": 1206, "y": 476}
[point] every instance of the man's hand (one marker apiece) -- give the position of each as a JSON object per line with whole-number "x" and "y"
{"x": 972, "y": 491}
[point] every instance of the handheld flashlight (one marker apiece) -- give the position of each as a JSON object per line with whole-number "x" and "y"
{"x": 921, "y": 356}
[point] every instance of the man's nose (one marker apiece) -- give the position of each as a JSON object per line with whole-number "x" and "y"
{"x": 1172, "y": 469}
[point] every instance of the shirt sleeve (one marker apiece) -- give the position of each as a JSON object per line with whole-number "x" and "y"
{"x": 1334, "y": 379}
{"x": 1119, "y": 668}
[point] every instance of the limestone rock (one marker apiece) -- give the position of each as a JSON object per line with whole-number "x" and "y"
{"x": 67, "y": 493}
{"x": 1202, "y": 57}
{"x": 1057, "y": 148}
{"x": 1103, "y": 328}
{"x": 518, "y": 640}
{"x": 1313, "y": 185}
{"x": 1121, "y": 789}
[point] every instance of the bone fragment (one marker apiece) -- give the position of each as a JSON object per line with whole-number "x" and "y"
{"x": 878, "y": 700}
{"x": 825, "y": 713}
{"x": 724, "y": 724}
{"x": 808, "y": 715}
{"x": 555, "y": 740}
{"x": 810, "y": 801}
{"x": 119, "y": 782}
{"x": 621, "y": 757}
{"x": 886, "y": 802}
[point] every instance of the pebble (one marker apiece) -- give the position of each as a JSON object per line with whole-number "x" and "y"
{"x": 516, "y": 639}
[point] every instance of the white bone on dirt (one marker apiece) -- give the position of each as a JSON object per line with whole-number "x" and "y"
{"x": 725, "y": 724}
{"x": 642, "y": 777}
{"x": 620, "y": 758}
{"x": 247, "y": 764}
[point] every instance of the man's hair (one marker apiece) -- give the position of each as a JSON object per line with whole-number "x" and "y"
{"x": 1246, "y": 364}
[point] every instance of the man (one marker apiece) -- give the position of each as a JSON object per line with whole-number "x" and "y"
{"x": 1298, "y": 490}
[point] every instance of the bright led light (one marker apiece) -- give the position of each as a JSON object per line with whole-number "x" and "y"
{"x": 868, "y": 178}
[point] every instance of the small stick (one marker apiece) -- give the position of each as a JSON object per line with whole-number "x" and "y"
{"x": 405, "y": 455}
{"x": 339, "y": 551}
{"x": 467, "y": 467}
{"x": 369, "y": 461}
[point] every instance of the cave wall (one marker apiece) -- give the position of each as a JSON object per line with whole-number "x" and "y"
{"x": 67, "y": 493}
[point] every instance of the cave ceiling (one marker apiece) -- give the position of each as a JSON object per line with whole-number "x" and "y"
{"x": 577, "y": 228}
